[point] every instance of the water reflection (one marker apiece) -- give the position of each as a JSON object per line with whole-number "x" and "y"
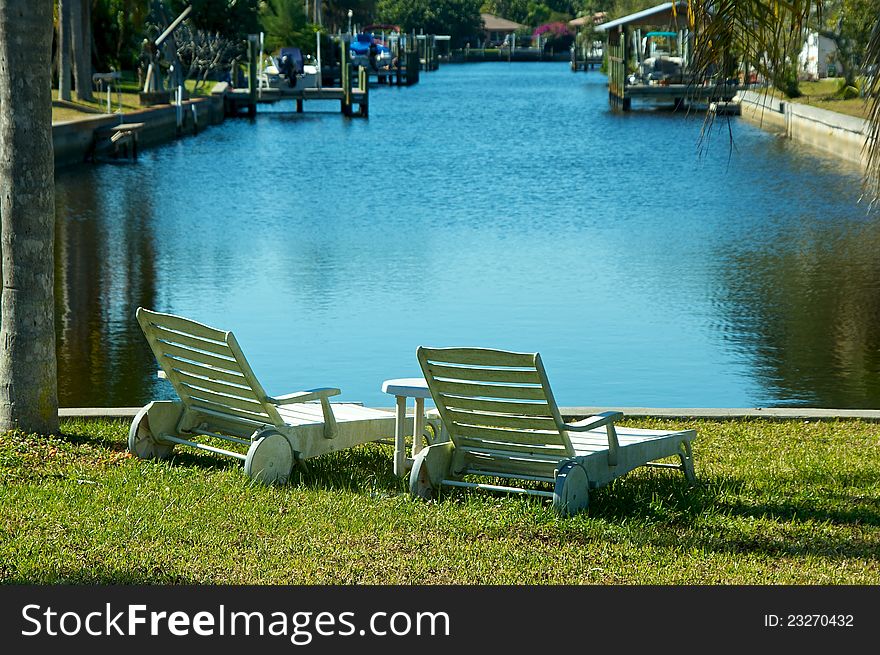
{"x": 491, "y": 205}
{"x": 105, "y": 268}
{"x": 806, "y": 311}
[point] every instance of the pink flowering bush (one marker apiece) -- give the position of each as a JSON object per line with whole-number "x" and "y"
{"x": 554, "y": 35}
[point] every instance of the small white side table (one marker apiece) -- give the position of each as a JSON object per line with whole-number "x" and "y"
{"x": 403, "y": 388}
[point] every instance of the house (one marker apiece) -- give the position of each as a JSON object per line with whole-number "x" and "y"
{"x": 818, "y": 57}
{"x": 496, "y": 29}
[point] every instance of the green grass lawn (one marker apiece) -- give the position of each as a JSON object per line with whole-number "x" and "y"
{"x": 129, "y": 97}
{"x": 785, "y": 502}
{"x": 824, "y": 94}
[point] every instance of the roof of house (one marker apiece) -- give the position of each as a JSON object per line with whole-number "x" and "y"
{"x": 498, "y": 24}
{"x": 659, "y": 15}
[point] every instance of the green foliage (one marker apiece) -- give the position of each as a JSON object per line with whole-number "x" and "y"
{"x": 234, "y": 19}
{"x": 766, "y": 34}
{"x": 787, "y": 82}
{"x": 620, "y": 8}
{"x": 515, "y": 10}
{"x": 458, "y": 18}
{"x": 847, "y": 91}
{"x": 118, "y": 29}
{"x": 285, "y": 24}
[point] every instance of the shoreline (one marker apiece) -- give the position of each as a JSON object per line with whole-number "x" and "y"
{"x": 711, "y": 413}
{"x": 832, "y": 133}
{"x": 74, "y": 141}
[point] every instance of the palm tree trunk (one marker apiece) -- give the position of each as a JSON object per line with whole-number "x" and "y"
{"x": 28, "y": 377}
{"x": 82, "y": 50}
{"x": 64, "y": 49}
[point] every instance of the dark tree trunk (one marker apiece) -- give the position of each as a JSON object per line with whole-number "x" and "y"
{"x": 28, "y": 377}
{"x": 64, "y": 49}
{"x": 82, "y": 49}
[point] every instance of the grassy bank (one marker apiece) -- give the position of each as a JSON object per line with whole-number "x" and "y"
{"x": 128, "y": 99}
{"x": 825, "y": 95}
{"x": 778, "y": 502}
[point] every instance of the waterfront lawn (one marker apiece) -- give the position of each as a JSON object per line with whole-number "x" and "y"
{"x": 130, "y": 99}
{"x": 825, "y": 95}
{"x": 787, "y": 502}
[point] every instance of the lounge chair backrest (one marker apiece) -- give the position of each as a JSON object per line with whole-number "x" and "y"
{"x": 207, "y": 370}
{"x": 495, "y": 401}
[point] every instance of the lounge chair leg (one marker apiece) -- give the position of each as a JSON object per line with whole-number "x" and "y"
{"x": 687, "y": 461}
{"x": 269, "y": 459}
{"x": 430, "y": 468}
{"x": 572, "y": 492}
{"x": 301, "y": 465}
{"x": 159, "y": 417}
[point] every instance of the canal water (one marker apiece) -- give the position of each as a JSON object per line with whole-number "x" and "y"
{"x": 497, "y": 205}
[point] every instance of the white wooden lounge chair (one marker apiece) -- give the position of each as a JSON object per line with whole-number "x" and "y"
{"x": 503, "y": 422}
{"x": 220, "y": 398}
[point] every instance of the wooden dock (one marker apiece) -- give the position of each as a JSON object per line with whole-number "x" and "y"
{"x": 680, "y": 88}
{"x": 354, "y": 82}
{"x": 238, "y": 100}
{"x": 677, "y": 95}
{"x": 585, "y": 63}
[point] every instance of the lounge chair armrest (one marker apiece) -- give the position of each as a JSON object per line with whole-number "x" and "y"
{"x": 323, "y": 394}
{"x": 304, "y": 396}
{"x": 592, "y": 422}
{"x": 605, "y": 418}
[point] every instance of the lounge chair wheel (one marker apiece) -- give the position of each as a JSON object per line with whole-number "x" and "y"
{"x": 141, "y": 440}
{"x": 269, "y": 458}
{"x": 572, "y": 492}
{"x": 419, "y": 481}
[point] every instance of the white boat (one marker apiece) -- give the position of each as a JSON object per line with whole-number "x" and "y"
{"x": 290, "y": 71}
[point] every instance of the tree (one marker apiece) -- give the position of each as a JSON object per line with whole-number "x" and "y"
{"x": 285, "y": 24}
{"x": 458, "y": 18}
{"x": 64, "y": 49}
{"x": 234, "y": 19}
{"x": 762, "y": 33}
{"x": 28, "y": 374}
{"x": 848, "y": 24}
{"x": 81, "y": 47}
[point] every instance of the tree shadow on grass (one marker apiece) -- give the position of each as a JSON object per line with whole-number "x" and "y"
{"x": 717, "y": 514}
{"x": 100, "y": 576}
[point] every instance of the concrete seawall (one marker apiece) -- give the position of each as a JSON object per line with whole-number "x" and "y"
{"x": 709, "y": 413}
{"x": 74, "y": 140}
{"x": 836, "y": 134}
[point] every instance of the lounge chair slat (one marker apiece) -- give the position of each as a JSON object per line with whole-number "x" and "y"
{"x": 179, "y": 365}
{"x": 478, "y": 357}
{"x": 216, "y": 385}
{"x": 485, "y": 374}
{"x": 237, "y": 402}
{"x": 502, "y": 420}
{"x": 230, "y": 417}
{"x": 509, "y": 447}
{"x": 489, "y": 390}
{"x": 224, "y": 409}
{"x": 215, "y": 347}
{"x": 497, "y": 406}
{"x": 156, "y": 319}
{"x": 198, "y": 357}
{"x": 504, "y": 435}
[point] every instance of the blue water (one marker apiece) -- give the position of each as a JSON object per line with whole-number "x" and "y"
{"x": 497, "y": 205}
